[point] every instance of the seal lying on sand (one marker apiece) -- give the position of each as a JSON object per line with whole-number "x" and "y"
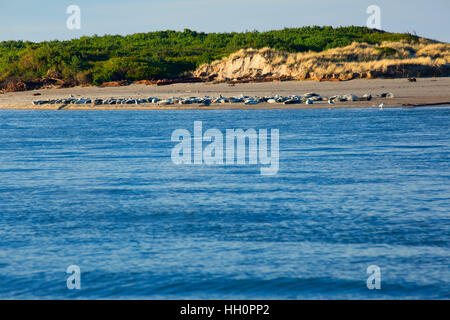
{"x": 308, "y": 98}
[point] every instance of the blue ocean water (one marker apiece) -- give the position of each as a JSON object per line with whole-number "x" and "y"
{"x": 98, "y": 189}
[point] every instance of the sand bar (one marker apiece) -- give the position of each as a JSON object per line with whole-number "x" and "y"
{"x": 426, "y": 91}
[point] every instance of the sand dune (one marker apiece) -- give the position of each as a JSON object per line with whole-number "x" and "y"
{"x": 359, "y": 60}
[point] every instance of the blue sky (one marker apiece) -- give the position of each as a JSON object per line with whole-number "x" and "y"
{"x": 46, "y": 19}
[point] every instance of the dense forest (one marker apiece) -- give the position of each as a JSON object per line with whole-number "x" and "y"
{"x": 160, "y": 55}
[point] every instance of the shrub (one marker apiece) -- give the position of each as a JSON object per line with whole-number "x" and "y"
{"x": 166, "y": 54}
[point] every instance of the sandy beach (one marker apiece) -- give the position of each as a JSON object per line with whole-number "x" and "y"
{"x": 426, "y": 91}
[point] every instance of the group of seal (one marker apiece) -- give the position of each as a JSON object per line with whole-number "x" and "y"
{"x": 307, "y": 98}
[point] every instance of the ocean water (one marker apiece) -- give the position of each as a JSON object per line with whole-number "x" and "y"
{"x": 98, "y": 189}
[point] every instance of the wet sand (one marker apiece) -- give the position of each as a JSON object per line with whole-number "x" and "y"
{"x": 426, "y": 91}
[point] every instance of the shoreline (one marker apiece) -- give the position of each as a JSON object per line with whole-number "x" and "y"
{"x": 424, "y": 92}
{"x": 238, "y": 106}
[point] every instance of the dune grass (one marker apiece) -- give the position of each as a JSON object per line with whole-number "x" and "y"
{"x": 355, "y": 60}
